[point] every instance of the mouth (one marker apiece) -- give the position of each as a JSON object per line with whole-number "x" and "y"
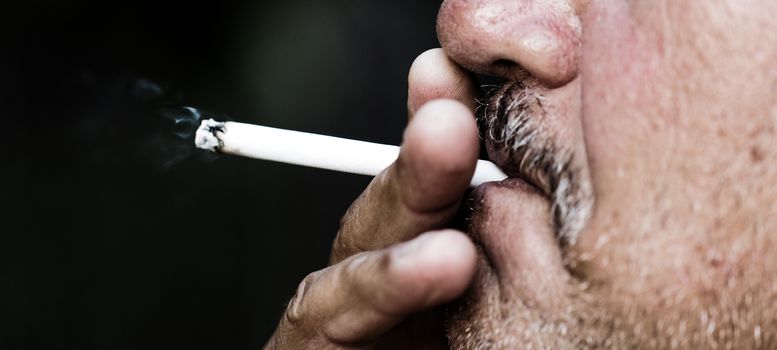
{"x": 519, "y": 139}
{"x": 512, "y": 136}
{"x": 519, "y": 280}
{"x": 522, "y": 226}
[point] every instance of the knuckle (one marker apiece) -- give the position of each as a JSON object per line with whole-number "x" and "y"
{"x": 371, "y": 281}
{"x": 295, "y": 315}
{"x": 345, "y": 246}
{"x": 350, "y": 215}
{"x": 361, "y": 207}
{"x": 354, "y": 269}
{"x": 367, "y": 222}
{"x": 384, "y": 299}
{"x": 359, "y": 272}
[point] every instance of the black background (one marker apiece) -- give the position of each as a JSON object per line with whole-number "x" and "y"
{"x": 110, "y": 240}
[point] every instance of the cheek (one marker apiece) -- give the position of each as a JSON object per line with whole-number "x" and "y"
{"x": 629, "y": 112}
{"x": 628, "y": 121}
{"x": 621, "y": 77}
{"x": 670, "y": 188}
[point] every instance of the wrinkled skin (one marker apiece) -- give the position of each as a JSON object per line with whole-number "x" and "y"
{"x": 641, "y": 213}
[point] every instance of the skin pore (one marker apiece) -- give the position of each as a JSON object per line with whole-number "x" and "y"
{"x": 677, "y": 112}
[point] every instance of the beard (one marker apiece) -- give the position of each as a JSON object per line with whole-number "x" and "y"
{"x": 485, "y": 318}
{"x": 495, "y": 316}
{"x": 589, "y": 314}
{"x": 511, "y": 124}
{"x": 488, "y": 317}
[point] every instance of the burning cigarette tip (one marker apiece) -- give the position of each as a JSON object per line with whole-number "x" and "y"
{"x": 207, "y": 136}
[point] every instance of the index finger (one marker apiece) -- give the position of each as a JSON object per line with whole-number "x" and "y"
{"x": 422, "y": 190}
{"x": 434, "y": 76}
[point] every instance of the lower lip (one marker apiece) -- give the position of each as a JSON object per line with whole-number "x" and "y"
{"x": 482, "y": 198}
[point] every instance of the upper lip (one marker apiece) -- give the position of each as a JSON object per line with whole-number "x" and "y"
{"x": 517, "y": 124}
{"x": 529, "y": 157}
{"x": 532, "y": 178}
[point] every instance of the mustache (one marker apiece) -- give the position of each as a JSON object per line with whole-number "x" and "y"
{"x": 510, "y": 119}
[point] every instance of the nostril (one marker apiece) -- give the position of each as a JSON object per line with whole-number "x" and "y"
{"x": 489, "y": 81}
{"x": 512, "y": 39}
{"x": 504, "y": 63}
{"x": 509, "y": 69}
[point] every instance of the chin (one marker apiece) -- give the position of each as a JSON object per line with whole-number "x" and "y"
{"x": 490, "y": 317}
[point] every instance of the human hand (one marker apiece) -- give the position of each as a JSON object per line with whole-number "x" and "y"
{"x": 393, "y": 262}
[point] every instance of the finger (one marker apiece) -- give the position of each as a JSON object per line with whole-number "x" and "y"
{"x": 434, "y": 76}
{"x": 421, "y": 191}
{"x": 423, "y": 203}
{"x": 354, "y": 302}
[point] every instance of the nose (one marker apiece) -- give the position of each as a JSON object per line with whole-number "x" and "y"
{"x": 513, "y": 38}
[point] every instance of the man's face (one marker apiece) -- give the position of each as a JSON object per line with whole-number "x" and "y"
{"x": 643, "y": 131}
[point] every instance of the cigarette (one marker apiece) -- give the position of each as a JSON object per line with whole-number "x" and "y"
{"x": 312, "y": 150}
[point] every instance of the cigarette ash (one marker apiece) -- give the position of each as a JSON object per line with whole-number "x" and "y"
{"x": 207, "y": 136}
{"x": 124, "y": 120}
{"x": 179, "y": 128}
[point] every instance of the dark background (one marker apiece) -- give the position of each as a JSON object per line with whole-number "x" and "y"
{"x": 111, "y": 238}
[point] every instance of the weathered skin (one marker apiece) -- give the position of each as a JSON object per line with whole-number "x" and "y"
{"x": 664, "y": 114}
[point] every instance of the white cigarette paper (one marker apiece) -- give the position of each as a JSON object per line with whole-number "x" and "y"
{"x": 318, "y": 151}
